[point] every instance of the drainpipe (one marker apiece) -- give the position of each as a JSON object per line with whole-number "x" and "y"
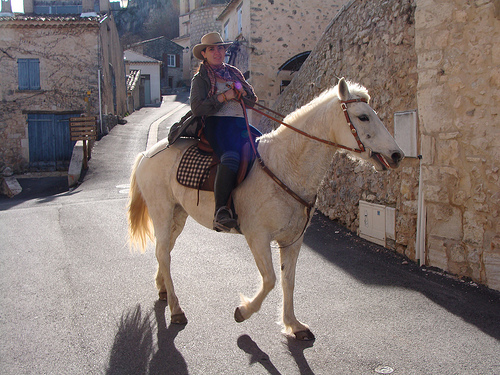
{"x": 100, "y": 98}
{"x": 421, "y": 220}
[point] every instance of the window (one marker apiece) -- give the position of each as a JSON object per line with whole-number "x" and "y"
{"x": 240, "y": 20}
{"x": 171, "y": 61}
{"x": 57, "y": 9}
{"x": 28, "y": 74}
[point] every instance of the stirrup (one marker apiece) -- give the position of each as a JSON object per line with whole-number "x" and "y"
{"x": 224, "y": 223}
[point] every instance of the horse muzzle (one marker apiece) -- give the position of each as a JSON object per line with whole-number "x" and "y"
{"x": 385, "y": 162}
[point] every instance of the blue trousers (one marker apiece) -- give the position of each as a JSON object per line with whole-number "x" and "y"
{"x": 227, "y": 135}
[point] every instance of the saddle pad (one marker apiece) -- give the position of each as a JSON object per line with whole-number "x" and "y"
{"x": 194, "y": 168}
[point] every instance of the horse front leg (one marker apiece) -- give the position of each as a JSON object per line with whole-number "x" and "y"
{"x": 261, "y": 251}
{"x": 288, "y": 257}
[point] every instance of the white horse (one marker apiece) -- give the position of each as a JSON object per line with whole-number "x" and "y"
{"x": 265, "y": 211}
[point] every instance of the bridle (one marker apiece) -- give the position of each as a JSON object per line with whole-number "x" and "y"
{"x": 309, "y": 205}
{"x": 343, "y": 104}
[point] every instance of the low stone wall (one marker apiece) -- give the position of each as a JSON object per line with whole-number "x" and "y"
{"x": 372, "y": 43}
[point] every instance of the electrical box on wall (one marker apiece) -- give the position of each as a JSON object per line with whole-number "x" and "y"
{"x": 376, "y": 222}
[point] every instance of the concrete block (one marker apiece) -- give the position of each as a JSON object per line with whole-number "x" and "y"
{"x": 76, "y": 164}
{"x": 10, "y": 187}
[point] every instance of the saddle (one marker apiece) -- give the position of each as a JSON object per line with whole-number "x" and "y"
{"x": 198, "y": 166}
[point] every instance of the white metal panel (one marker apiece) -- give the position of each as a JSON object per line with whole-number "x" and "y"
{"x": 372, "y": 222}
{"x": 405, "y": 132}
{"x": 390, "y": 222}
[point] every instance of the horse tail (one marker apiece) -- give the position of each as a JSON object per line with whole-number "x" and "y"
{"x": 139, "y": 221}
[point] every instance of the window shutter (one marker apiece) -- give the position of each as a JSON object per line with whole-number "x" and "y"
{"x": 28, "y": 71}
{"x": 177, "y": 61}
{"x": 23, "y": 74}
{"x": 34, "y": 74}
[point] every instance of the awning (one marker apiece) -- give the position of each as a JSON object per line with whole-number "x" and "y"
{"x": 295, "y": 62}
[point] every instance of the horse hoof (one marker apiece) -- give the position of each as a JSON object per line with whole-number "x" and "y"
{"x": 306, "y": 335}
{"x": 238, "y": 316}
{"x": 162, "y": 296}
{"x": 178, "y": 319}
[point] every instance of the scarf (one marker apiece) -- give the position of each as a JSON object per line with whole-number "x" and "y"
{"x": 227, "y": 73}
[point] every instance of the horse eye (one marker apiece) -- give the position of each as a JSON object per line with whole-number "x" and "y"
{"x": 364, "y": 118}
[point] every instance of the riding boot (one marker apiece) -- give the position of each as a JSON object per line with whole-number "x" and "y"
{"x": 225, "y": 181}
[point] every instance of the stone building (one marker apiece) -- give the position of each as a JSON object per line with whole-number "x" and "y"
{"x": 197, "y": 17}
{"x": 149, "y": 68}
{"x": 56, "y": 65}
{"x": 170, "y": 54}
{"x": 269, "y": 34}
{"x": 433, "y": 72}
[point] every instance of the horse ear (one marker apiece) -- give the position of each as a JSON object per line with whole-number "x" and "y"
{"x": 343, "y": 89}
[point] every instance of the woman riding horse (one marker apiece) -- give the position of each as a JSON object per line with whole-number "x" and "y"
{"x": 213, "y": 89}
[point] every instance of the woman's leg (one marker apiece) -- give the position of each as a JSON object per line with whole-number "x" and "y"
{"x": 222, "y": 134}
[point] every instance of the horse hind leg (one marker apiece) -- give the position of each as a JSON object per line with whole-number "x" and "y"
{"x": 288, "y": 257}
{"x": 166, "y": 236}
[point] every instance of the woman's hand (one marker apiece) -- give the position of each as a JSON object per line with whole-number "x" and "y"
{"x": 239, "y": 89}
{"x": 227, "y": 96}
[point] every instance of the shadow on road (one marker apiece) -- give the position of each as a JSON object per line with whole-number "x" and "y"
{"x": 167, "y": 357}
{"x": 43, "y": 189}
{"x": 257, "y": 355}
{"x": 133, "y": 350}
{"x": 296, "y": 349}
{"x": 374, "y": 265}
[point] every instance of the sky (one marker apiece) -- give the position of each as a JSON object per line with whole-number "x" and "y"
{"x": 17, "y": 5}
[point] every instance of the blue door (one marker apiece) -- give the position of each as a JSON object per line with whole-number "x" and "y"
{"x": 50, "y": 144}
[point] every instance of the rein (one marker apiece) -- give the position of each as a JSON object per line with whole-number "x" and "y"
{"x": 343, "y": 104}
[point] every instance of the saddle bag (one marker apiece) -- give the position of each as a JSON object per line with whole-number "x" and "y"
{"x": 189, "y": 126}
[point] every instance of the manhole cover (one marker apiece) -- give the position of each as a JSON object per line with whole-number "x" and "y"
{"x": 384, "y": 370}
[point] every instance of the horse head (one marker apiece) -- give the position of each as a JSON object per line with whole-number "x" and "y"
{"x": 364, "y": 131}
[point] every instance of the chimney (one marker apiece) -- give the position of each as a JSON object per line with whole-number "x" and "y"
{"x": 103, "y": 6}
{"x": 28, "y": 6}
{"x": 6, "y": 7}
{"x": 87, "y": 6}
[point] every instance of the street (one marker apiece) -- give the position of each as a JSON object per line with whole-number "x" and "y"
{"x": 77, "y": 300}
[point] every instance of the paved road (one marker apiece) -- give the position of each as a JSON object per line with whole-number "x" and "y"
{"x": 76, "y": 300}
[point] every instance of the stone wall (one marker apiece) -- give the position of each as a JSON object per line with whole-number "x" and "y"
{"x": 113, "y": 85}
{"x": 443, "y": 59}
{"x": 457, "y": 43}
{"x": 372, "y": 43}
{"x": 202, "y": 21}
{"x": 276, "y": 32}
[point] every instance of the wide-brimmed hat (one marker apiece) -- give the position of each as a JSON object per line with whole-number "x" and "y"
{"x": 210, "y": 39}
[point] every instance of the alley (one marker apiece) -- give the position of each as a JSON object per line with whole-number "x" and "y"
{"x": 77, "y": 300}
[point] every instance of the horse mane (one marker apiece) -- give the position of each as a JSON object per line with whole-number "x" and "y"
{"x": 355, "y": 89}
